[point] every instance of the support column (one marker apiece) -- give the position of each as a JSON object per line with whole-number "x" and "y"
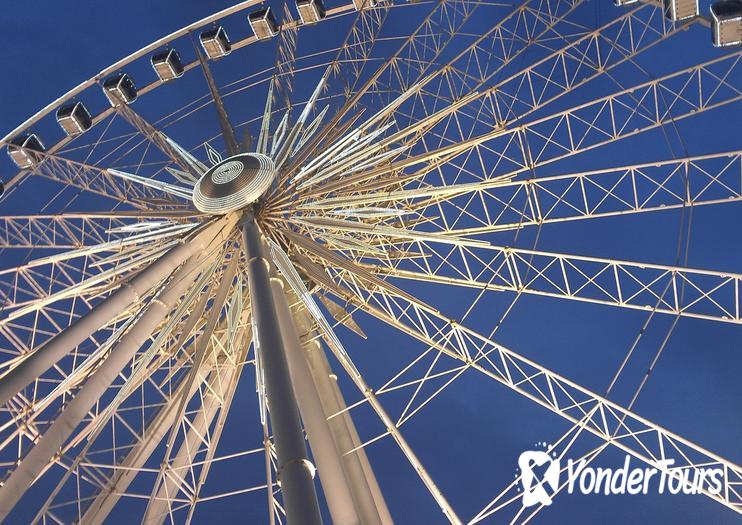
{"x": 158, "y": 508}
{"x": 294, "y": 469}
{"x": 329, "y": 463}
{"x": 130, "y": 291}
{"x": 360, "y": 474}
{"x": 137, "y": 456}
{"x": 60, "y": 430}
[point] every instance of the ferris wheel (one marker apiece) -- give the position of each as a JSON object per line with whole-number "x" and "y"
{"x": 240, "y": 264}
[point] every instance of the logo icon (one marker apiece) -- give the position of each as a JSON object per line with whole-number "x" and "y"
{"x": 540, "y": 471}
{"x": 534, "y": 489}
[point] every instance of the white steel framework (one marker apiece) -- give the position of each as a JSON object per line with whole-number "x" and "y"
{"x": 409, "y": 174}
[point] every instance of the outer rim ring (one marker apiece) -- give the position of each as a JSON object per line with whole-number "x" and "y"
{"x": 333, "y": 13}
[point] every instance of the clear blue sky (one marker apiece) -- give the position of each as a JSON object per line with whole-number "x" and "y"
{"x": 471, "y": 436}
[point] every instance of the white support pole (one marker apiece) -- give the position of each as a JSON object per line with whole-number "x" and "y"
{"x": 391, "y": 427}
{"x": 159, "y": 507}
{"x": 106, "y": 500}
{"x": 295, "y": 471}
{"x": 329, "y": 462}
{"x": 363, "y": 483}
{"x": 60, "y": 430}
{"x": 130, "y": 291}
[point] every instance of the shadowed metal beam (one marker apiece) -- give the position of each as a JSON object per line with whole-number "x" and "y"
{"x": 41, "y": 360}
{"x": 59, "y": 431}
{"x": 294, "y": 469}
{"x": 329, "y": 461}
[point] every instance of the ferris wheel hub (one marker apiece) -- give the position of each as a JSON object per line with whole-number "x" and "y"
{"x": 234, "y": 183}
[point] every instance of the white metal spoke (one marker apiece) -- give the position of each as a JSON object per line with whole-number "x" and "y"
{"x": 711, "y": 295}
{"x": 363, "y": 156}
{"x": 631, "y": 433}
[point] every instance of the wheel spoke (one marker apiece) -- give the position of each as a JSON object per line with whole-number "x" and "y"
{"x": 376, "y": 153}
{"x": 635, "y": 435}
{"x": 711, "y": 295}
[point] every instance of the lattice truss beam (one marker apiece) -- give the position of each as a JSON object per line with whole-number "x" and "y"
{"x": 465, "y": 126}
{"x": 72, "y": 231}
{"x": 44, "y": 294}
{"x": 710, "y": 295}
{"x": 98, "y": 181}
{"x": 183, "y": 379}
{"x": 460, "y": 137}
{"x": 704, "y": 294}
{"x": 604, "y": 419}
{"x": 588, "y": 126}
{"x": 692, "y": 181}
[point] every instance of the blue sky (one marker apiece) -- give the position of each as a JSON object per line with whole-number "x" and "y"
{"x": 469, "y": 437}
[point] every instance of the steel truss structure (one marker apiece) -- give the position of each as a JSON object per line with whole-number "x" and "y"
{"x": 151, "y": 346}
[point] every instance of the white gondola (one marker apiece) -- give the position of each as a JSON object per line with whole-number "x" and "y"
{"x": 677, "y": 10}
{"x": 621, "y": 3}
{"x": 310, "y": 11}
{"x": 21, "y": 150}
{"x": 74, "y": 118}
{"x": 365, "y": 4}
{"x": 216, "y": 43}
{"x": 167, "y": 65}
{"x": 263, "y": 23}
{"x": 119, "y": 89}
{"x": 726, "y": 23}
